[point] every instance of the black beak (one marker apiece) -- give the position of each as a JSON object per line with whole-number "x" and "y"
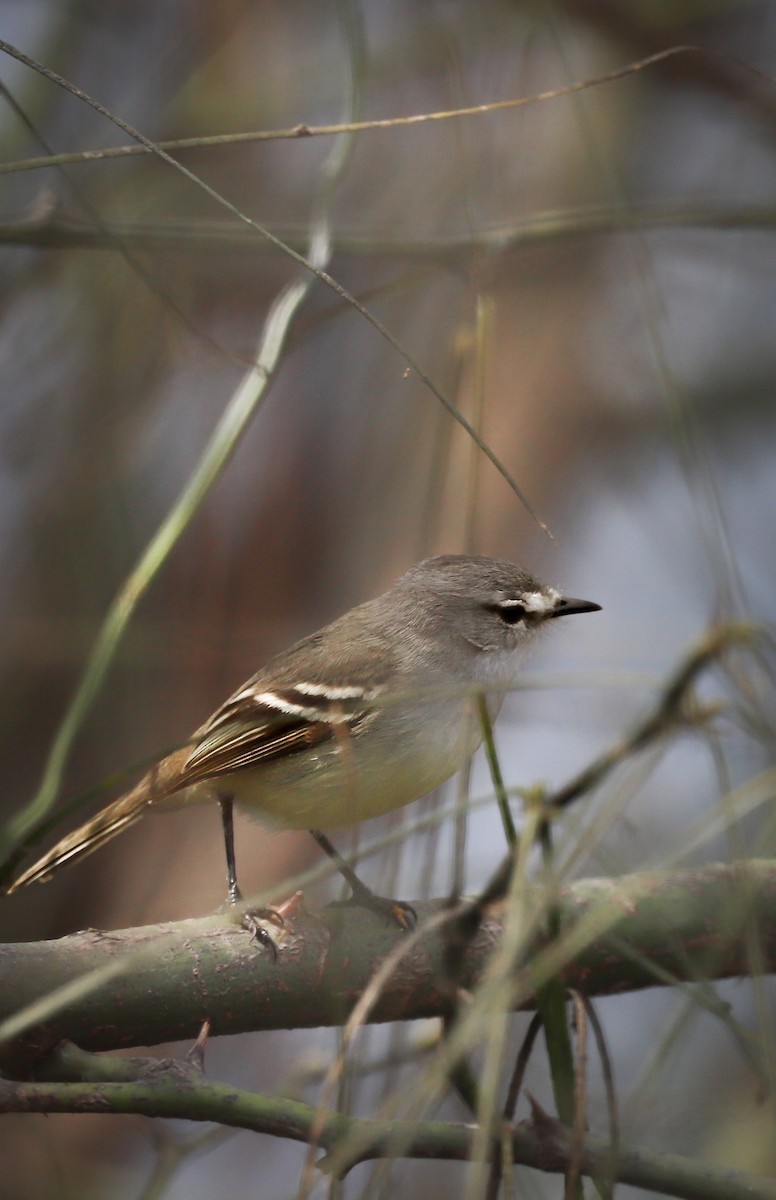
{"x": 566, "y": 606}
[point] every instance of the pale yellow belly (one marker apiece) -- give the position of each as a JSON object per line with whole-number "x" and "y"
{"x": 356, "y": 779}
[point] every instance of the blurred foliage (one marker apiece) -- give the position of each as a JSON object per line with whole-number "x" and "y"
{"x": 624, "y": 377}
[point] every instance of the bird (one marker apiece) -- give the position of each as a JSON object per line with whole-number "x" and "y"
{"x": 364, "y": 716}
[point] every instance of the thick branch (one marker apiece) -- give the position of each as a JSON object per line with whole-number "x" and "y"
{"x": 159, "y": 983}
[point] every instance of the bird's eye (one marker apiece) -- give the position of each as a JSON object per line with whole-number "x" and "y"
{"x": 510, "y": 612}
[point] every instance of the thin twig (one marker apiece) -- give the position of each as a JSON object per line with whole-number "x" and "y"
{"x": 542, "y": 1145}
{"x": 351, "y": 127}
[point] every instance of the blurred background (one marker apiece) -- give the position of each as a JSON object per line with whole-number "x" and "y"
{"x": 590, "y": 279}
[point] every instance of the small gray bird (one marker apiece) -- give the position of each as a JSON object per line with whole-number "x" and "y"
{"x": 368, "y": 714}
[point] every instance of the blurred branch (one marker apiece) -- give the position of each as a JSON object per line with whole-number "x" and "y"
{"x": 239, "y": 412}
{"x": 45, "y": 226}
{"x": 645, "y": 29}
{"x": 235, "y": 419}
{"x": 674, "y": 710}
{"x": 159, "y": 983}
{"x": 167, "y": 1088}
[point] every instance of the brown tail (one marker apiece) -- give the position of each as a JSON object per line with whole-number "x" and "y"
{"x": 111, "y": 820}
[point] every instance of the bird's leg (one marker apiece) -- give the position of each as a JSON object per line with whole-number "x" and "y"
{"x": 250, "y": 920}
{"x": 227, "y": 821}
{"x": 394, "y": 910}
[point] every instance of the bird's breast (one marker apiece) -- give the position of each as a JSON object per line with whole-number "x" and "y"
{"x": 395, "y": 758}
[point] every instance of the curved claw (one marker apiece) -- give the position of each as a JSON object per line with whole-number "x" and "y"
{"x": 251, "y": 921}
{"x": 396, "y": 912}
{"x": 404, "y": 915}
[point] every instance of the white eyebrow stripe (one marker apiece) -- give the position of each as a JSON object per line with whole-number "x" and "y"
{"x": 538, "y": 602}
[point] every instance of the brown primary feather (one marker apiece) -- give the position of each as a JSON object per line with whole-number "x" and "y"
{"x": 162, "y": 780}
{"x": 249, "y": 739}
{"x": 223, "y": 747}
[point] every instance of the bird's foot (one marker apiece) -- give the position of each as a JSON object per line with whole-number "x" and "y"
{"x": 251, "y": 919}
{"x": 393, "y": 912}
